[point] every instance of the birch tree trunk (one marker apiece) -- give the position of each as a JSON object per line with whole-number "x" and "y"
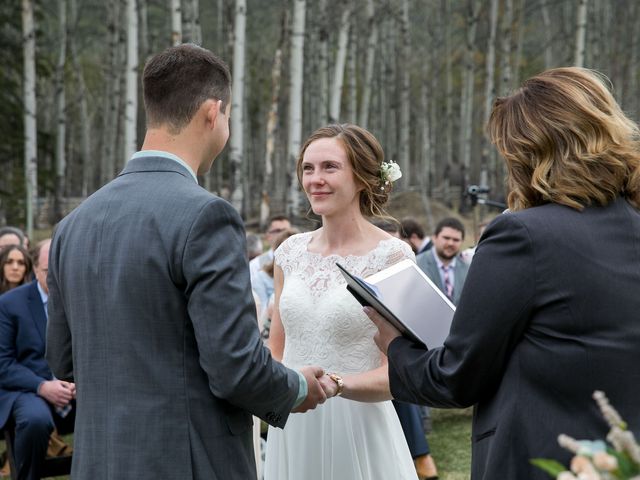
{"x": 581, "y": 32}
{"x": 466, "y": 103}
{"x": 489, "y": 89}
{"x": 131, "y": 83}
{"x": 519, "y": 35}
{"x": 176, "y": 22}
{"x": 296, "y": 68}
{"x": 30, "y": 128}
{"x": 323, "y": 66}
{"x": 449, "y": 105}
{"x": 335, "y": 99}
{"x": 61, "y": 117}
{"x": 143, "y": 23}
{"x": 548, "y": 46}
{"x": 372, "y": 46}
{"x": 191, "y": 32}
{"x": 505, "y": 67}
{"x": 236, "y": 151}
{"x": 272, "y": 123}
{"x": 405, "y": 96}
{"x": 84, "y": 125}
{"x": 352, "y": 77}
{"x": 112, "y": 94}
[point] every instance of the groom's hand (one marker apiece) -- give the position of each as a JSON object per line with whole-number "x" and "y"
{"x": 315, "y": 392}
{"x": 386, "y": 332}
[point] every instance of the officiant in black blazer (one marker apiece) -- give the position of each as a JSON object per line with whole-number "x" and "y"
{"x": 549, "y": 311}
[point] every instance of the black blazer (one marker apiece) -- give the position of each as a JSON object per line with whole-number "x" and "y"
{"x": 549, "y": 313}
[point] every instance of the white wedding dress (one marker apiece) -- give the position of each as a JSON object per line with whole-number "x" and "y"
{"x": 324, "y": 325}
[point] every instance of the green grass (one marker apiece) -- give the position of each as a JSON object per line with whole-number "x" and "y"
{"x": 450, "y": 443}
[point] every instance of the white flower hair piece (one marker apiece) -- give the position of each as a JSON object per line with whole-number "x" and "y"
{"x": 389, "y": 172}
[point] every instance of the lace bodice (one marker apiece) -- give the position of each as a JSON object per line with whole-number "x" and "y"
{"x": 324, "y": 324}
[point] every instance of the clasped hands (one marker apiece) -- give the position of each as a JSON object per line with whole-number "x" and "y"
{"x": 320, "y": 387}
{"x": 57, "y": 392}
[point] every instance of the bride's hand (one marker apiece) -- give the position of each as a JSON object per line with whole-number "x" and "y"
{"x": 329, "y": 385}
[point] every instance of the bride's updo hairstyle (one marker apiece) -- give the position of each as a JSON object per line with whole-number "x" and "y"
{"x": 365, "y": 155}
{"x": 567, "y": 141}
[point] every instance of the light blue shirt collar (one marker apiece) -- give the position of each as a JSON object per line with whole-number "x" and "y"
{"x": 43, "y": 295}
{"x": 163, "y": 154}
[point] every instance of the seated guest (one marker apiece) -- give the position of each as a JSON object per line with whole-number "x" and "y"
{"x": 262, "y": 283}
{"x": 413, "y": 233}
{"x": 29, "y": 394}
{"x": 277, "y": 225}
{"x": 15, "y": 268}
{"x": 10, "y": 236}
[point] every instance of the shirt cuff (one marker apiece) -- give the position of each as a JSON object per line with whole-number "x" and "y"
{"x": 303, "y": 389}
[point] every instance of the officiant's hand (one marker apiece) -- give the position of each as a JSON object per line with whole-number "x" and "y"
{"x": 386, "y": 332}
{"x": 315, "y": 391}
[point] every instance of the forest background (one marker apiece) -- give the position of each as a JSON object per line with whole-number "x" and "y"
{"x": 420, "y": 74}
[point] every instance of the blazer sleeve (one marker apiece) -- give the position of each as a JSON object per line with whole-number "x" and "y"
{"x": 494, "y": 310}
{"x": 221, "y": 307}
{"x": 13, "y": 375}
{"x": 59, "y": 352}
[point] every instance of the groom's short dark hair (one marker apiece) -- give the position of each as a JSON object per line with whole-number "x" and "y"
{"x": 178, "y": 80}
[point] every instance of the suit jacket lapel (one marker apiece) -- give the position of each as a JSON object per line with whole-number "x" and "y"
{"x": 37, "y": 310}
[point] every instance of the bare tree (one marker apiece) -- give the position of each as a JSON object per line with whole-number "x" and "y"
{"x": 468, "y": 83}
{"x": 29, "y": 95}
{"x": 405, "y": 95}
{"x": 372, "y": 46}
{"x": 61, "y": 114}
{"x": 296, "y": 69}
{"x": 489, "y": 88}
{"x": 548, "y": 45}
{"x": 335, "y": 99}
{"x": 176, "y": 22}
{"x": 84, "y": 124}
{"x": 236, "y": 152}
{"x": 131, "y": 83}
{"x": 581, "y": 32}
{"x": 191, "y": 31}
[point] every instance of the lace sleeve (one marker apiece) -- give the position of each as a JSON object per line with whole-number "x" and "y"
{"x": 287, "y": 253}
{"x": 398, "y": 251}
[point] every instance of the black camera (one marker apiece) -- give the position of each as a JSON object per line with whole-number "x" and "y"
{"x": 477, "y": 189}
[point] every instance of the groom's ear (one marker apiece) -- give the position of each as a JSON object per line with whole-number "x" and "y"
{"x": 211, "y": 108}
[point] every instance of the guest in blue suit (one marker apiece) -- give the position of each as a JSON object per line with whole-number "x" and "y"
{"x": 28, "y": 392}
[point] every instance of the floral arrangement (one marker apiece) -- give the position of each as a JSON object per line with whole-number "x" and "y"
{"x": 596, "y": 460}
{"x": 389, "y": 172}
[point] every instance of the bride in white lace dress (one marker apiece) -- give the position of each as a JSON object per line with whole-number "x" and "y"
{"x": 357, "y": 435}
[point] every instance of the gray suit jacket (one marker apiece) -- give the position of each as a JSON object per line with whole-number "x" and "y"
{"x": 151, "y": 313}
{"x": 549, "y": 313}
{"x": 429, "y": 266}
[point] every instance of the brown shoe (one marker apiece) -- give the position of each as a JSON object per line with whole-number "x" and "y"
{"x": 5, "y": 471}
{"x": 426, "y": 467}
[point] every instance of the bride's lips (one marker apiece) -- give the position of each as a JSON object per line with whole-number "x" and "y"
{"x": 320, "y": 194}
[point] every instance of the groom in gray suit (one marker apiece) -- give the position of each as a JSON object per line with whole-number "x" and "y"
{"x": 150, "y": 307}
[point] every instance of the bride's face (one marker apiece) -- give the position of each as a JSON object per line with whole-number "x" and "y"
{"x": 327, "y": 178}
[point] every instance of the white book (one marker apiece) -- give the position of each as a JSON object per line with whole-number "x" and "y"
{"x": 408, "y": 299}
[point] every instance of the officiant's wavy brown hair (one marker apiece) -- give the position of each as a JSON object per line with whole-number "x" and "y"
{"x": 566, "y": 140}
{"x": 365, "y": 155}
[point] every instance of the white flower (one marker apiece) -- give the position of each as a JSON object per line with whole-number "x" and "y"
{"x": 390, "y": 171}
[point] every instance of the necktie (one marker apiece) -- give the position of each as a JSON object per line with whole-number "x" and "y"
{"x": 448, "y": 286}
